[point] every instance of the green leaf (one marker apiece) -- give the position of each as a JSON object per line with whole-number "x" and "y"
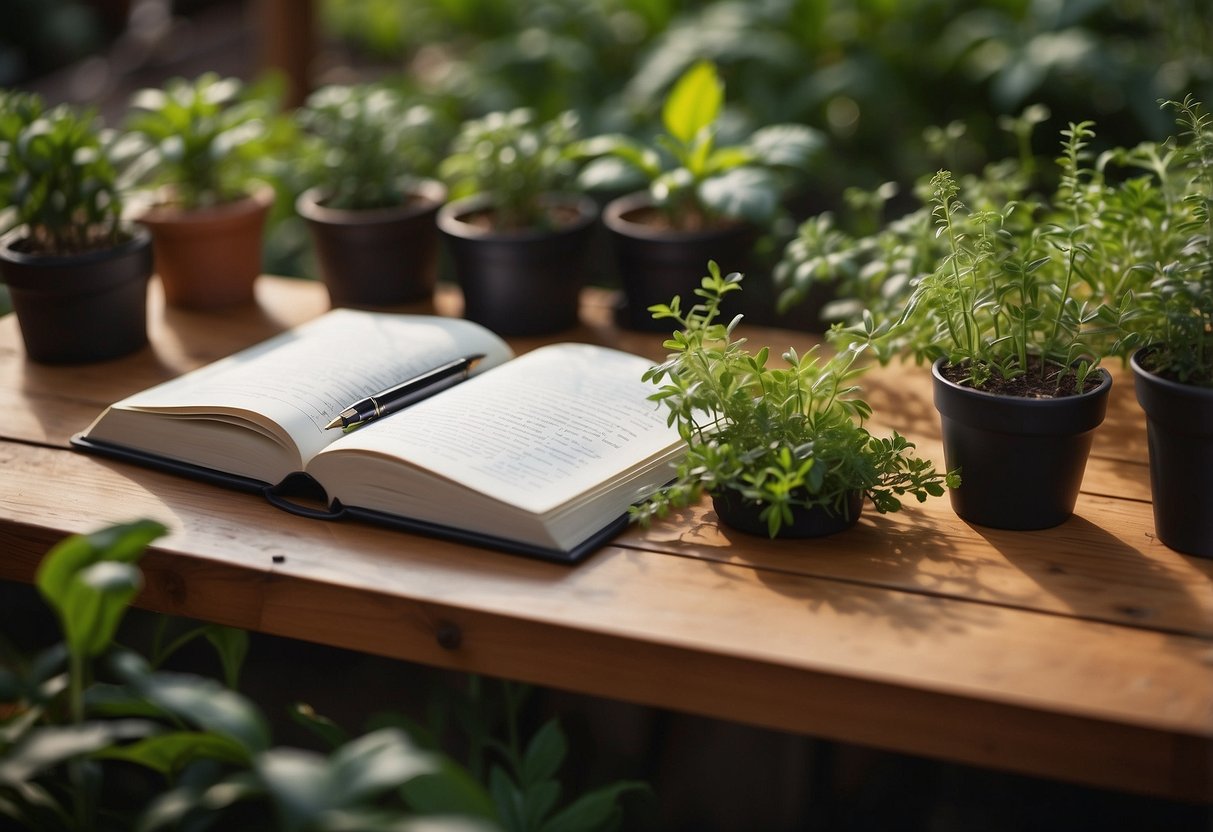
{"x": 544, "y": 754}
{"x": 449, "y": 790}
{"x": 746, "y": 193}
{"x": 95, "y": 602}
{"x": 231, "y": 643}
{"x": 170, "y": 753}
{"x": 50, "y": 745}
{"x": 199, "y": 700}
{"x": 378, "y": 761}
{"x": 123, "y": 543}
{"x": 592, "y": 811}
{"x": 694, "y": 103}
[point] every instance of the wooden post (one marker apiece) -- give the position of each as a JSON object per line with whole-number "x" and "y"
{"x": 289, "y": 43}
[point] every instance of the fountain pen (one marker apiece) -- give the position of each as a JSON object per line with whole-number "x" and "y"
{"x": 402, "y": 395}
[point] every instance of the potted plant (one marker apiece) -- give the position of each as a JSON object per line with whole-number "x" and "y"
{"x": 703, "y": 200}
{"x": 781, "y": 451}
{"x": 203, "y": 143}
{"x": 1165, "y": 323}
{"x": 76, "y": 272}
{"x": 1007, "y": 317}
{"x": 371, "y": 210}
{"x": 517, "y": 233}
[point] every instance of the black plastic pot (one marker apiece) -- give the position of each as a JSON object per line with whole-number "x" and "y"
{"x": 657, "y": 263}
{"x": 525, "y": 282}
{"x": 83, "y": 308}
{"x": 1179, "y": 427}
{"x": 1021, "y": 460}
{"x": 376, "y": 257}
{"x": 743, "y": 515}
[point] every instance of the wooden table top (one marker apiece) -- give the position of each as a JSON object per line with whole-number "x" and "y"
{"x": 1083, "y": 652}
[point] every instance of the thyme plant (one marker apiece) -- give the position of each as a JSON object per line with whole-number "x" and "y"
{"x": 786, "y": 439}
{"x": 1167, "y": 302}
{"x": 1009, "y": 299}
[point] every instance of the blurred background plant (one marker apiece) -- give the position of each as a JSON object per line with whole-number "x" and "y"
{"x": 886, "y": 82}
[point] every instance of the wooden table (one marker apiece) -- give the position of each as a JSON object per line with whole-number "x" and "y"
{"x": 1083, "y": 652}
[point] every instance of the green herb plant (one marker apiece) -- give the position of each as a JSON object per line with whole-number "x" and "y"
{"x": 517, "y": 162}
{"x": 1165, "y": 300}
{"x": 365, "y": 145}
{"x": 786, "y": 439}
{"x": 872, "y": 265}
{"x": 59, "y": 176}
{"x": 695, "y": 181}
{"x": 206, "y": 140}
{"x": 1011, "y": 303}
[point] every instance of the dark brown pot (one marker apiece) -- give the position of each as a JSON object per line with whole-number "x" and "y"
{"x": 377, "y": 257}
{"x": 1021, "y": 460}
{"x": 1179, "y": 427}
{"x": 79, "y": 309}
{"x": 738, "y": 513}
{"x": 209, "y": 258}
{"x": 657, "y": 263}
{"x": 522, "y": 282}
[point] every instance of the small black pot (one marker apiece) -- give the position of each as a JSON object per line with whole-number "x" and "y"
{"x": 1179, "y": 427}
{"x": 655, "y": 264}
{"x": 1021, "y": 460}
{"x": 524, "y": 282}
{"x": 376, "y": 257}
{"x": 82, "y": 308}
{"x": 741, "y": 514}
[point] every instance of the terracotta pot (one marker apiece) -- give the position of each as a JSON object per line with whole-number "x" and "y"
{"x": 521, "y": 282}
{"x": 657, "y": 263}
{"x": 1179, "y": 427}
{"x": 82, "y": 308}
{"x": 743, "y": 515}
{"x": 1021, "y": 460}
{"x": 209, "y": 258}
{"x": 377, "y": 257}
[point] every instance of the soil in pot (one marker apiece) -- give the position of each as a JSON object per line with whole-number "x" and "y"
{"x": 377, "y": 257}
{"x": 519, "y": 282}
{"x": 743, "y": 515}
{"x": 656, "y": 262}
{"x": 82, "y": 308}
{"x": 209, "y": 258}
{"x": 1021, "y": 459}
{"x": 1179, "y": 428}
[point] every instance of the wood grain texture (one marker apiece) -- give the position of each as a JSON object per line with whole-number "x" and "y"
{"x": 1083, "y": 652}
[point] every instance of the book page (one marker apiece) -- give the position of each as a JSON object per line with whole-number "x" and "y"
{"x": 534, "y": 433}
{"x": 300, "y": 380}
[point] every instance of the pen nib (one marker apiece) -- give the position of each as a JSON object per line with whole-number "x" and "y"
{"x": 336, "y": 423}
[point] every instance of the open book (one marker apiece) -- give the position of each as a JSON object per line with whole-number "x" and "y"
{"x": 538, "y": 454}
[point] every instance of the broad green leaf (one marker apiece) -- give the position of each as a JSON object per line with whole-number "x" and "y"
{"x": 745, "y": 193}
{"x": 378, "y": 761}
{"x": 170, "y": 753}
{"x": 786, "y": 145}
{"x": 593, "y": 810}
{"x": 124, "y": 543}
{"x": 200, "y": 701}
{"x": 298, "y": 782}
{"x": 449, "y": 790}
{"x": 95, "y": 602}
{"x": 544, "y": 754}
{"x": 332, "y": 734}
{"x": 49, "y": 745}
{"x": 231, "y": 643}
{"x": 694, "y": 103}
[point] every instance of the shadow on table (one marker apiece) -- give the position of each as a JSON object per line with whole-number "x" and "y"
{"x": 1099, "y": 577}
